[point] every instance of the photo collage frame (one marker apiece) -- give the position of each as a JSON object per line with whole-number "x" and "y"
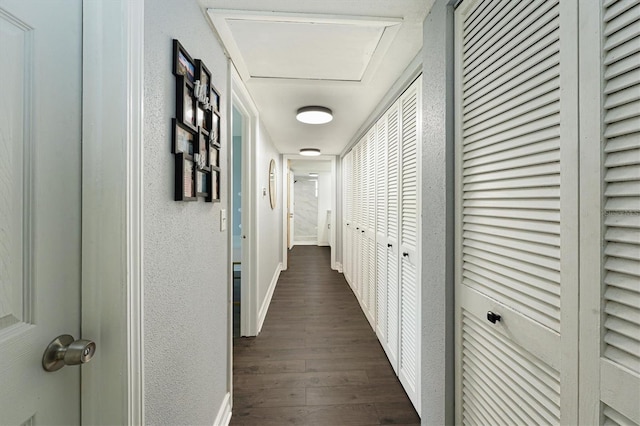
{"x": 195, "y": 138}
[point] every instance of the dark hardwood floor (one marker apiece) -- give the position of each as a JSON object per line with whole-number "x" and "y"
{"x": 317, "y": 361}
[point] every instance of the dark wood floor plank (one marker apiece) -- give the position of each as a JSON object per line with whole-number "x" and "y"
{"x": 317, "y": 360}
{"x": 300, "y": 380}
{"x": 346, "y": 415}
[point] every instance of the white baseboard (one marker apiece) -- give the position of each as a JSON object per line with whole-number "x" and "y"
{"x": 338, "y": 267}
{"x": 323, "y": 244}
{"x": 305, "y": 243}
{"x": 224, "y": 413}
{"x": 262, "y": 314}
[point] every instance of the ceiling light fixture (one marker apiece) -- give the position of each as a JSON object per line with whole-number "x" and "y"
{"x": 314, "y": 115}
{"x": 313, "y": 174}
{"x": 310, "y": 152}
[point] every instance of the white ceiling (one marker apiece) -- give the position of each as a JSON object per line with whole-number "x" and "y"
{"x": 341, "y": 54}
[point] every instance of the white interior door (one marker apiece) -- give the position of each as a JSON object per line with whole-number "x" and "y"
{"x": 517, "y": 198}
{"x": 382, "y": 288}
{"x": 410, "y": 289}
{"x": 40, "y": 211}
{"x": 610, "y": 213}
{"x": 393, "y": 242}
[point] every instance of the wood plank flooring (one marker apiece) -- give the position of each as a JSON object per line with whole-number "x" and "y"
{"x": 317, "y": 361}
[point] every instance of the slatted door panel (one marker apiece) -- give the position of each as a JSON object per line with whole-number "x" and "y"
{"x": 511, "y": 238}
{"x": 381, "y": 227}
{"x": 347, "y": 192}
{"x": 364, "y": 224}
{"x": 410, "y": 142}
{"x": 393, "y": 184}
{"x": 620, "y": 357}
{"x": 370, "y": 234}
{"x": 357, "y": 252}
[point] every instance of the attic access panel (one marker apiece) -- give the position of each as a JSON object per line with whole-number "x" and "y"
{"x": 302, "y": 46}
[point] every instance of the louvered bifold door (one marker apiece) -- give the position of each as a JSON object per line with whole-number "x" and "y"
{"x": 381, "y": 227}
{"x": 347, "y": 209}
{"x": 357, "y": 216}
{"x": 370, "y": 229}
{"x": 620, "y": 362}
{"x": 392, "y": 118}
{"x": 410, "y": 143}
{"x": 612, "y": 291}
{"x": 365, "y": 265}
{"x": 516, "y": 205}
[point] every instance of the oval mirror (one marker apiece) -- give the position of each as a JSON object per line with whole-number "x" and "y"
{"x": 272, "y": 183}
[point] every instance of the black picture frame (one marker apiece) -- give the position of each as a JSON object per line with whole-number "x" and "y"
{"x": 183, "y": 138}
{"x": 204, "y": 76}
{"x": 185, "y": 102}
{"x": 183, "y": 63}
{"x": 214, "y": 156}
{"x": 215, "y": 99}
{"x": 185, "y": 178}
{"x": 202, "y": 150}
{"x": 214, "y": 193}
{"x": 215, "y": 128}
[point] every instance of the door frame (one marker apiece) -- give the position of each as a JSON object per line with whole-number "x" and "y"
{"x": 334, "y": 197}
{"x": 241, "y": 99}
{"x": 112, "y": 210}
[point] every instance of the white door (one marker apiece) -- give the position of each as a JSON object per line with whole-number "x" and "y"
{"x": 610, "y": 213}
{"x": 410, "y": 219}
{"x": 517, "y": 197}
{"x": 382, "y": 318}
{"x": 393, "y": 242}
{"x": 40, "y": 212}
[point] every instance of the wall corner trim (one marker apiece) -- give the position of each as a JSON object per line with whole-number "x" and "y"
{"x": 339, "y": 267}
{"x": 262, "y": 314}
{"x": 224, "y": 413}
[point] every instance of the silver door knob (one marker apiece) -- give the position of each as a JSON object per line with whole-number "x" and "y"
{"x": 65, "y": 350}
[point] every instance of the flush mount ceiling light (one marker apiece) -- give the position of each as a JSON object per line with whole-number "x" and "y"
{"x": 310, "y": 152}
{"x": 313, "y": 175}
{"x": 314, "y": 115}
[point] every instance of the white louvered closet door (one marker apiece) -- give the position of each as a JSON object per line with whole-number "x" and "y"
{"x": 381, "y": 227}
{"x": 357, "y": 211}
{"x": 365, "y": 265}
{"x": 347, "y": 171}
{"x": 410, "y": 144}
{"x": 620, "y": 360}
{"x": 516, "y": 194}
{"x": 612, "y": 363}
{"x": 392, "y": 118}
{"x": 370, "y": 229}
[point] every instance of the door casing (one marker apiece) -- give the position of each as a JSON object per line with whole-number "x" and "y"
{"x": 112, "y": 273}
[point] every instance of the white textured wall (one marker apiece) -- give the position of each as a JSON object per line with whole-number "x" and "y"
{"x": 269, "y": 221}
{"x": 185, "y": 254}
{"x": 438, "y": 217}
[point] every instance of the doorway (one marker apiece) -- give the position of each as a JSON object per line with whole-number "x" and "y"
{"x": 309, "y": 214}
{"x": 236, "y": 216}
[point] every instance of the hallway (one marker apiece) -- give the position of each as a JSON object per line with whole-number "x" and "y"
{"x": 317, "y": 361}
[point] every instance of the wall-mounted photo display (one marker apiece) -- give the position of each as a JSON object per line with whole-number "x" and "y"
{"x": 195, "y": 129}
{"x": 183, "y": 64}
{"x": 184, "y": 179}
{"x": 183, "y": 139}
